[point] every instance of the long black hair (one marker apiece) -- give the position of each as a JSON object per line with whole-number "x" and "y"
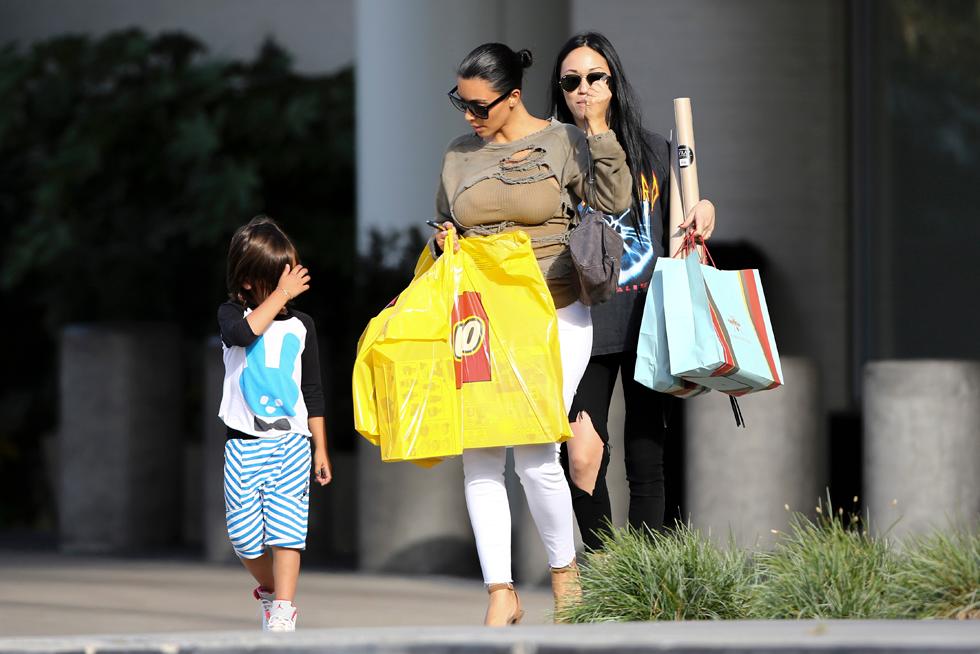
{"x": 625, "y": 113}
{"x": 497, "y": 64}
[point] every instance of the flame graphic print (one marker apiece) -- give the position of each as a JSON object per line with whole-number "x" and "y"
{"x": 638, "y": 251}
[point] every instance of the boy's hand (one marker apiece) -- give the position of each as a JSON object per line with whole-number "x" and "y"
{"x": 294, "y": 281}
{"x": 321, "y": 468}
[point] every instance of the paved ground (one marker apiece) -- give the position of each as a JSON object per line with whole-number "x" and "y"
{"x": 728, "y": 637}
{"x": 51, "y": 595}
{"x": 61, "y": 604}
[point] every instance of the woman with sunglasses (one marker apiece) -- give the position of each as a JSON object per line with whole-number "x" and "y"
{"x": 518, "y": 172}
{"x": 586, "y": 62}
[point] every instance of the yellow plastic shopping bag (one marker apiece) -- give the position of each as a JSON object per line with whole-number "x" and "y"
{"x": 466, "y": 356}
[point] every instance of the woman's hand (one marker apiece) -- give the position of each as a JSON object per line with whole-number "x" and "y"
{"x": 321, "y": 468}
{"x": 294, "y": 281}
{"x": 597, "y": 102}
{"x": 702, "y": 219}
{"x": 441, "y": 236}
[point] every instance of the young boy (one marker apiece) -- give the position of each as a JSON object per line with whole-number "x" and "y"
{"x": 272, "y": 403}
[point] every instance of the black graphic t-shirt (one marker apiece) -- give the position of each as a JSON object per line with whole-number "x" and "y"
{"x": 616, "y": 322}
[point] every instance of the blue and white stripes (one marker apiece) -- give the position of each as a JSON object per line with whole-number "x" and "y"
{"x": 267, "y": 485}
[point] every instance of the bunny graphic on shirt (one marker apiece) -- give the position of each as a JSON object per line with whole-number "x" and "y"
{"x": 271, "y": 392}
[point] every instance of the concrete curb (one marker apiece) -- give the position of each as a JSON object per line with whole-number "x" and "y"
{"x": 735, "y": 637}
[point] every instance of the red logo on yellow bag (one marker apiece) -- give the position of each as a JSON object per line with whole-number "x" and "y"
{"x": 471, "y": 329}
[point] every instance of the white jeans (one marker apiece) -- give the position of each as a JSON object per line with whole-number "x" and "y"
{"x": 541, "y": 475}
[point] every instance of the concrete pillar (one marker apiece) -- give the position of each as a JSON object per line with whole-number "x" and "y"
{"x": 405, "y": 121}
{"x": 407, "y": 53}
{"x": 334, "y": 536}
{"x": 413, "y": 520}
{"x": 214, "y": 533}
{"x": 192, "y": 510}
{"x": 921, "y": 443}
{"x": 738, "y": 480}
{"x": 120, "y": 440}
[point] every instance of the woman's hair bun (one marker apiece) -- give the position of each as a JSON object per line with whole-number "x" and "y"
{"x": 526, "y": 58}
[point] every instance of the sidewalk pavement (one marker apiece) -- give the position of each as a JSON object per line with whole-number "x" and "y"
{"x": 55, "y": 604}
{"x": 48, "y": 594}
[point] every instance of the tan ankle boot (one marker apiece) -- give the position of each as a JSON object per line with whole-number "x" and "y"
{"x": 565, "y": 586}
{"x": 504, "y": 607}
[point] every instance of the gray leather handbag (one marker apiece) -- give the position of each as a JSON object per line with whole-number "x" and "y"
{"x": 597, "y": 252}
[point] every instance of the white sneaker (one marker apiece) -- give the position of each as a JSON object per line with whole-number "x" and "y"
{"x": 265, "y": 599}
{"x": 282, "y": 616}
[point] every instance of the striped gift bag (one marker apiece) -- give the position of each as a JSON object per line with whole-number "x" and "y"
{"x": 718, "y": 330}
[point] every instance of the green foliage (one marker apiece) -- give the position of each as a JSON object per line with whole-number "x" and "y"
{"x": 939, "y": 575}
{"x": 647, "y": 575}
{"x": 830, "y": 568}
{"x": 825, "y": 569}
{"x": 125, "y": 164}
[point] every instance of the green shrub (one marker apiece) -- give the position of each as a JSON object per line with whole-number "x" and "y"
{"x": 939, "y": 576}
{"x": 679, "y": 575}
{"x": 831, "y": 568}
{"x": 126, "y": 162}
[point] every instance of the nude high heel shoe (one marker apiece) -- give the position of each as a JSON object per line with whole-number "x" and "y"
{"x": 501, "y": 612}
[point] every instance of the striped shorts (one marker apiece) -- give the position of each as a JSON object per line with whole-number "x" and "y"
{"x": 267, "y": 493}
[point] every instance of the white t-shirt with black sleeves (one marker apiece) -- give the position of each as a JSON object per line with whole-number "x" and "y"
{"x": 272, "y": 382}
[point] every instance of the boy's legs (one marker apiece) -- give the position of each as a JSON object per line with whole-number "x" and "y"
{"x": 261, "y": 569}
{"x": 285, "y": 508}
{"x": 285, "y": 567}
{"x": 267, "y": 502}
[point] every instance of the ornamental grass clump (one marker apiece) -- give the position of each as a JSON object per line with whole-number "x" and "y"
{"x": 644, "y": 575}
{"x": 939, "y": 575}
{"x": 829, "y": 568}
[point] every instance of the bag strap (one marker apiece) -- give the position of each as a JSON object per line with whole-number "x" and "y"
{"x": 737, "y": 412}
{"x": 589, "y": 178}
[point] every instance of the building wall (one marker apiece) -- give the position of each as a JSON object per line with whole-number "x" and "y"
{"x": 767, "y": 81}
{"x": 407, "y": 54}
{"x": 319, "y": 33}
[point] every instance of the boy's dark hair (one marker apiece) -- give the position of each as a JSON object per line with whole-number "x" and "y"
{"x": 258, "y": 254}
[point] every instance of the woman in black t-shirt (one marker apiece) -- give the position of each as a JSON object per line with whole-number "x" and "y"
{"x": 584, "y": 60}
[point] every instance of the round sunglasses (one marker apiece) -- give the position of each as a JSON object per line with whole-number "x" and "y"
{"x": 481, "y": 111}
{"x": 571, "y": 81}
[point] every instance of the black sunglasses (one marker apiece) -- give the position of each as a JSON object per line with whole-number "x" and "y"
{"x": 571, "y": 81}
{"x": 481, "y": 111}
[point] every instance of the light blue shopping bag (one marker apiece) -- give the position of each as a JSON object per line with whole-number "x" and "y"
{"x": 718, "y": 329}
{"x": 696, "y": 352}
{"x": 739, "y": 306}
{"x": 652, "y": 356}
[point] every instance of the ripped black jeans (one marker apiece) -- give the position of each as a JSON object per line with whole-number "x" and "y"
{"x": 643, "y": 434}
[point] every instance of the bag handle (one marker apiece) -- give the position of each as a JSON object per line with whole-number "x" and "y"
{"x": 690, "y": 244}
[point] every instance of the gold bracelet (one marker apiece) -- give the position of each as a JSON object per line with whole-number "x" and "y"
{"x": 286, "y": 292}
